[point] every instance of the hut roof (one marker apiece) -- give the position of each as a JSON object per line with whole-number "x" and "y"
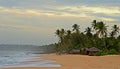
{"x": 93, "y": 49}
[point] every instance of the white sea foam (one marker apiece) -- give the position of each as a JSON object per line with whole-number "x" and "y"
{"x": 23, "y": 59}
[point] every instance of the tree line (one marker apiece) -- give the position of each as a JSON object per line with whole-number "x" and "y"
{"x": 95, "y": 36}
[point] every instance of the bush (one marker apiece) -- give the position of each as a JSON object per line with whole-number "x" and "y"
{"x": 112, "y": 51}
{"x": 99, "y": 54}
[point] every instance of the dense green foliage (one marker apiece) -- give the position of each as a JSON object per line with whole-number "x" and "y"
{"x": 95, "y": 36}
{"x": 112, "y": 51}
{"x": 99, "y": 54}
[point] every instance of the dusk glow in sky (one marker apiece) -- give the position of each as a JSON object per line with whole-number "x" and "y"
{"x": 35, "y": 21}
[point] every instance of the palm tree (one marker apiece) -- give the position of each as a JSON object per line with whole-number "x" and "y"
{"x": 76, "y": 28}
{"x": 101, "y": 32}
{"x": 94, "y": 24}
{"x": 68, "y": 41}
{"x": 60, "y": 34}
{"x": 88, "y": 32}
{"x": 58, "y": 46}
{"x": 115, "y": 30}
{"x": 57, "y": 32}
{"x": 101, "y": 29}
{"x": 68, "y": 33}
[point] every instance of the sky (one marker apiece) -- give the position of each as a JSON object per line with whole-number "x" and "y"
{"x": 35, "y": 21}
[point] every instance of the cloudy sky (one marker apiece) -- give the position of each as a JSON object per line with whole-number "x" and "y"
{"x": 35, "y": 21}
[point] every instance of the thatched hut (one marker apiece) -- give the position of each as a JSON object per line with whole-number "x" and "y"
{"x": 92, "y": 50}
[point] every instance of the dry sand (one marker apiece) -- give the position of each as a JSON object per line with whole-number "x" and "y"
{"x": 81, "y": 62}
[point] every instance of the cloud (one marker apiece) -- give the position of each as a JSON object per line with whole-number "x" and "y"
{"x": 26, "y": 28}
{"x": 67, "y": 11}
{"x": 20, "y": 11}
{"x": 107, "y": 19}
{"x": 87, "y": 9}
{"x": 104, "y": 10}
{"x": 33, "y": 12}
{"x": 92, "y": 12}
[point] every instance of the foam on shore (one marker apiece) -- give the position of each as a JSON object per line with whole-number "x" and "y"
{"x": 23, "y": 59}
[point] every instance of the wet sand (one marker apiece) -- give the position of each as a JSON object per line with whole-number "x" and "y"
{"x": 80, "y": 62}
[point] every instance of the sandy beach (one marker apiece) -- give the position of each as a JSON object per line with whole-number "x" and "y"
{"x": 80, "y": 62}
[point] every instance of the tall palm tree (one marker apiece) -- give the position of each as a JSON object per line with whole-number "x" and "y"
{"x": 58, "y": 46}
{"x": 115, "y": 30}
{"x": 76, "y": 28}
{"x": 68, "y": 41}
{"x": 61, "y": 35}
{"x": 102, "y": 33}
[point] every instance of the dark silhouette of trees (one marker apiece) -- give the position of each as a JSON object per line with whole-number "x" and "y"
{"x": 88, "y": 32}
{"x": 95, "y": 36}
{"x": 115, "y": 30}
{"x": 76, "y": 28}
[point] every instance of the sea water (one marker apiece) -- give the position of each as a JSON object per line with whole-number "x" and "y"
{"x": 23, "y": 59}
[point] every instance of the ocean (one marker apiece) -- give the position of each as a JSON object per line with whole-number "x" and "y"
{"x": 22, "y": 56}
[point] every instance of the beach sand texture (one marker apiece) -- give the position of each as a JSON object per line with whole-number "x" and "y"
{"x": 80, "y": 62}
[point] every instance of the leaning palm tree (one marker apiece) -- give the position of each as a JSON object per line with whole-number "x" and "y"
{"x": 76, "y": 28}
{"x": 115, "y": 30}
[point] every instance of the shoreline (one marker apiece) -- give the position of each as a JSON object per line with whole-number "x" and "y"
{"x": 79, "y": 62}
